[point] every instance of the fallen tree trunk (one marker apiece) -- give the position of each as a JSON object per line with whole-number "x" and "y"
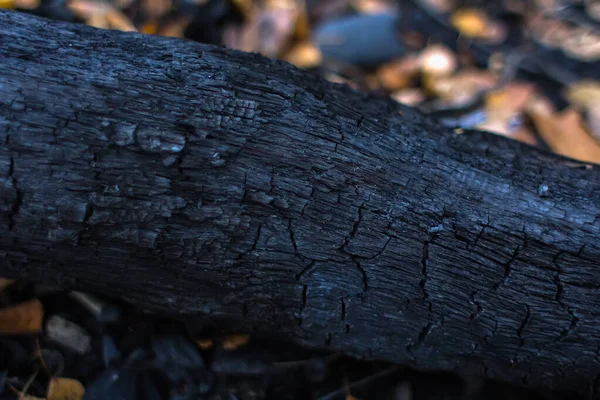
{"x": 196, "y": 180}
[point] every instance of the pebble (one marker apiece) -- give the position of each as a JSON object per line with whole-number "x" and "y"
{"x": 366, "y": 40}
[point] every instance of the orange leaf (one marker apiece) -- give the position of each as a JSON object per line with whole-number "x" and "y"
{"x": 235, "y": 341}
{"x": 304, "y": 55}
{"x": 204, "y": 344}
{"x": 22, "y": 318}
{"x": 149, "y": 28}
{"x": 470, "y": 22}
{"x": 65, "y": 389}
{"x": 564, "y": 132}
{"x": 398, "y": 74}
{"x": 117, "y": 20}
{"x": 474, "y": 23}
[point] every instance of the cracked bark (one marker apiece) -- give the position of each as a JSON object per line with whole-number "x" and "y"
{"x": 222, "y": 186}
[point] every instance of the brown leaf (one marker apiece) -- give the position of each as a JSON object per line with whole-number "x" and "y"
{"x": 65, "y": 389}
{"x": 304, "y": 55}
{"x": 204, "y": 344}
{"x": 269, "y": 32}
{"x": 175, "y": 28}
{"x": 86, "y": 9}
{"x": 4, "y": 283}
{"x": 149, "y": 28}
{"x": 409, "y": 96}
{"x": 245, "y": 7}
{"x": 504, "y": 109}
{"x": 372, "y": 6}
{"x": 98, "y": 20}
{"x": 460, "y": 88}
{"x": 117, "y": 20}
{"x": 235, "y": 341}
{"x": 592, "y": 8}
{"x": 155, "y": 9}
{"x": 584, "y": 93}
{"x": 399, "y": 74}
{"x": 583, "y": 44}
{"x": 22, "y": 318}
{"x": 564, "y": 132}
{"x": 27, "y": 4}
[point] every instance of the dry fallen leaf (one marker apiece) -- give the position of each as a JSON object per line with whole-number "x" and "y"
{"x": 585, "y": 93}
{"x": 4, "y": 283}
{"x": 440, "y": 6}
{"x": 269, "y": 32}
{"x": 438, "y": 60}
{"x": 149, "y": 28}
{"x": 22, "y": 318}
{"x": 175, "y": 28}
{"x": 155, "y": 8}
{"x": 592, "y": 8}
{"x": 576, "y": 41}
{"x": 585, "y": 96}
{"x": 564, "y": 132}
{"x": 65, "y": 389}
{"x": 98, "y": 20}
{"x": 9, "y": 4}
{"x": 409, "y": 96}
{"x": 474, "y": 23}
{"x": 399, "y": 74}
{"x": 460, "y": 88}
{"x": 100, "y": 14}
{"x": 204, "y": 344}
{"x": 504, "y": 109}
{"x": 27, "y": 4}
{"x": 372, "y": 6}
{"x": 117, "y": 20}
{"x": 304, "y": 55}
{"x": 583, "y": 44}
{"x": 235, "y": 341}
{"x": 245, "y": 7}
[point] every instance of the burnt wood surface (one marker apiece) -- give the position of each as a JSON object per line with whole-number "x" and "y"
{"x": 230, "y": 188}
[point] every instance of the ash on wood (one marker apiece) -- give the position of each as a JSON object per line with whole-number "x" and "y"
{"x": 234, "y": 189}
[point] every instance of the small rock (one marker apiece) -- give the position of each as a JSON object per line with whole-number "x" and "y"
{"x": 365, "y": 40}
{"x": 109, "y": 351}
{"x": 3, "y": 376}
{"x": 68, "y": 334}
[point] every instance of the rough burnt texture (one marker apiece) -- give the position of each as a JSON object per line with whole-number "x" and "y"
{"x": 196, "y": 180}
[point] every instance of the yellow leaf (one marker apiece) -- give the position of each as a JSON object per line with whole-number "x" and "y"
{"x": 585, "y": 93}
{"x": 10, "y": 4}
{"x": 22, "y": 318}
{"x": 470, "y": 22}
{"x": 65, "y": 389}
{"x": 304, "y": 55}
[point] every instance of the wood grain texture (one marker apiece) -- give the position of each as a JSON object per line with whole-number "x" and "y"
{"x": 227, "y": 187}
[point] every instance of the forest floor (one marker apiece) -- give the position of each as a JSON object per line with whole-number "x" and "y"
{"x": 527, "y": 70}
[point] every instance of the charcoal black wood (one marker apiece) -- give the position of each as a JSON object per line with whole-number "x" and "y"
{"x": 224, "y": 186}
